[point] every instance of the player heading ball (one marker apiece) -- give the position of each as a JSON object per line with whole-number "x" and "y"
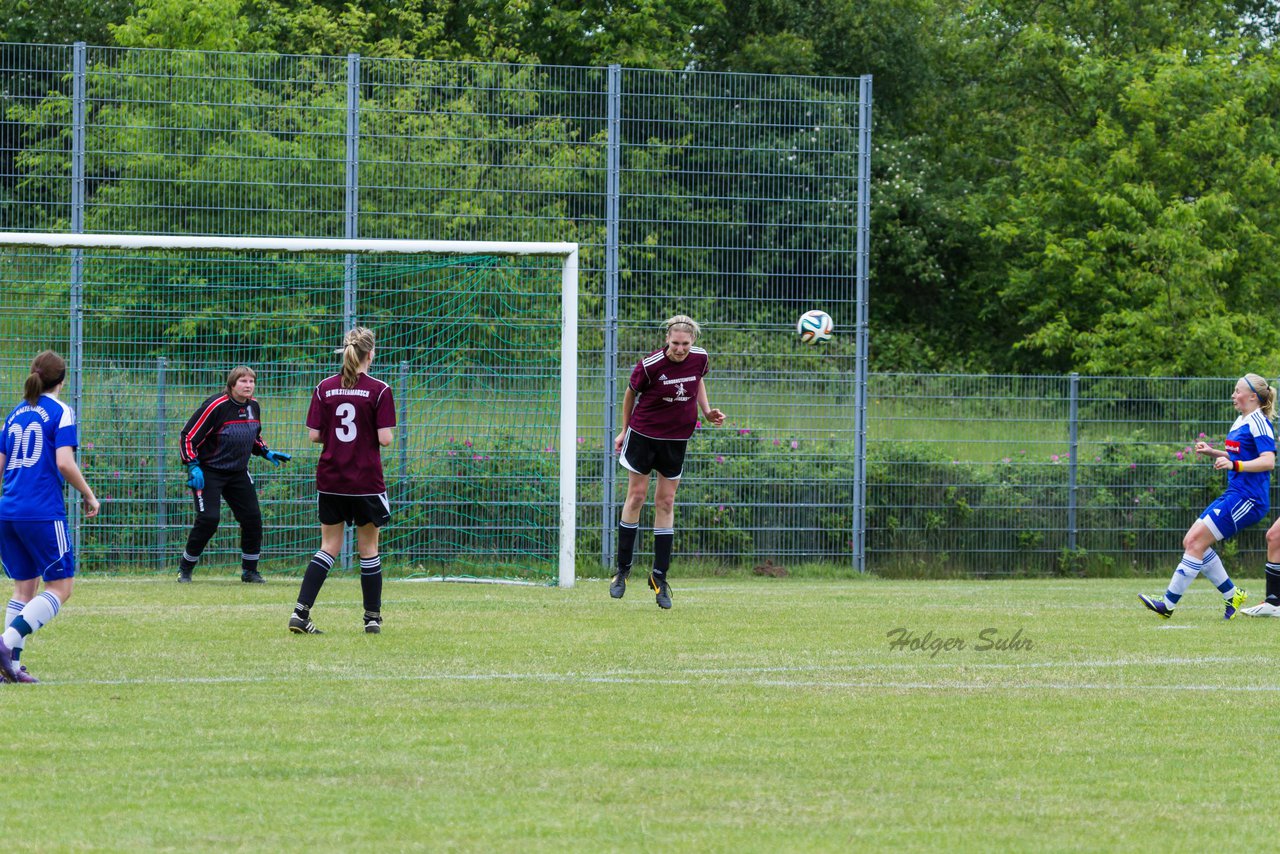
{"x": 659, "y": 413}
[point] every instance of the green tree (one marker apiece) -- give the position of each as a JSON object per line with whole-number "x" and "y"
{"x": 61, "y": 21}
{"x": 1125, "y": 182}
{"x": 184, "y": 25}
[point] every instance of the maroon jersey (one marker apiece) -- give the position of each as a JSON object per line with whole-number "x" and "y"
{"x": 667, "y": 394}
{"x": 348, "y": 420}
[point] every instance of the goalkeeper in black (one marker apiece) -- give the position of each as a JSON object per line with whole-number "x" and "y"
{"x": 216, "y": 444}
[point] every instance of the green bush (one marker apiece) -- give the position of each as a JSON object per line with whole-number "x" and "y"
{"x": 748, "y": 496}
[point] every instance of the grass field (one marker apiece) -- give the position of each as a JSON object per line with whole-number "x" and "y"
{"x": 757, "y": 715}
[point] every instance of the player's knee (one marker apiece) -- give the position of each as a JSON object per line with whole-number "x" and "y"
{"x": 1195, "y": 543}
{"x": 207, "y": 522}
{"x": 664, "y": 503}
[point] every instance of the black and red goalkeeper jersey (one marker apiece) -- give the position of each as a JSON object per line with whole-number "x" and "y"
{"x": 223, "y": 434}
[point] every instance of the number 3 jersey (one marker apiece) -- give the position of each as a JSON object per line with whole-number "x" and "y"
{"x": 349, "y": 420}
{"x": 32, "y": 482}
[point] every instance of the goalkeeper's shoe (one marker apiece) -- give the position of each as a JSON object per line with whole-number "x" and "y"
{"x": 1234, "y": 603}
{"x": 303, "y": 626}
{"x": 372, "y": 624}
{"x": 1156, "y": 603}
{"x": 618, "y": 587}
{"x": 252, "y": 576}
{"x": 184, "y": 576}
{"x": 662, "y": 591}
{"x": 24, "y": 676}
{"x": 1263, "y": 609}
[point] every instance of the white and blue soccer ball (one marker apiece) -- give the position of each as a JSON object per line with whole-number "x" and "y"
{"x": 815, "y": 327}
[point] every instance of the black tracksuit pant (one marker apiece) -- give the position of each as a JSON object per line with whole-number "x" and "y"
{"x": 236, "y": 488}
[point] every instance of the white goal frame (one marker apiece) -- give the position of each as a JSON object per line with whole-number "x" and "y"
{"x": 567, "y": 252}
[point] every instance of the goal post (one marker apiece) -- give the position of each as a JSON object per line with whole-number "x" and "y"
{"x": 439, "y": 295}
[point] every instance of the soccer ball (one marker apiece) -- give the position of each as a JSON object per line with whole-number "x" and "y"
{"x": 815, "y": 327}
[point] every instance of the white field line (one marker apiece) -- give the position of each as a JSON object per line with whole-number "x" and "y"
{"x": 754, "y": 677}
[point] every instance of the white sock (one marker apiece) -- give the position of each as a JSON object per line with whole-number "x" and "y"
{"x": 36, "y": 613}
{"x": 13, "y": 609}
{"x": 1188, "y": 569}
{"x": 1217, "y": 573}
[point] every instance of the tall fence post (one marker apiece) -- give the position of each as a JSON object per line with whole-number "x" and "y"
{"x": 1073, "y": 462}
{"x": 79, "y": 72}
{"x": 351, "y": 227}
{"x": 612, "y": 213}
{"x": 859, "y": 533}
{"x": 351, "y": 204}
{"x": 162, "y": 515}
{"x": 402, "y": 394}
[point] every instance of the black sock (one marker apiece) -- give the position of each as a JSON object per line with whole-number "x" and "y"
{"x": 317, "y": 572}
{"x": 663, "y": 539}
{"x": 371, "y": 583}
{"x": 188, "y": 562}
{"x": 1273, "y": 583}
{"x": 627, "y": 544}
{"x": 248, "y": 563}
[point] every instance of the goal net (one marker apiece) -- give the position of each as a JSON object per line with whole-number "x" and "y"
{"x": 478, "y": 341}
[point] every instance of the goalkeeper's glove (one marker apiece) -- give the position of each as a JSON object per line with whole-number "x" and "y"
{"x": 195, "y": 477}
{"x": 277, "y": 457}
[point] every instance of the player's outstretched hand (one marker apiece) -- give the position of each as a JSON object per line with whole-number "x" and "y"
{"x": 91, "y": 506}
{"x": 278, "y": 457}
{"x": 716, "y": 417}
{"x": 195, "y": 476}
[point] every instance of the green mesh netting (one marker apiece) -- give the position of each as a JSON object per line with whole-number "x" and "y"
{"x": 469, "y": 345}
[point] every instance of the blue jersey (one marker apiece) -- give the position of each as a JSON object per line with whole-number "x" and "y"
{"x": 32, "y": 482}
{"x": 1250, "y": 437}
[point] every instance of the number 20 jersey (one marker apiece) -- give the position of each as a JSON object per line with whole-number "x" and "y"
{"x": 348, "y": 420}
{"x": 32, "y": 482}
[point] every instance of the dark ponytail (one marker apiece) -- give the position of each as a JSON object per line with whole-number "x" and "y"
{"x": 48, "y": 370}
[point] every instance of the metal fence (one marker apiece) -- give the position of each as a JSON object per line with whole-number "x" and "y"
{"x": 738, "y": 199}
{"x": 1008, "y": 475}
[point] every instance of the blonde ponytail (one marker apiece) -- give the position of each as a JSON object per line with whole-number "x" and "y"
{"x": 1265, "y": 393}
{"x": 356, "y": 347}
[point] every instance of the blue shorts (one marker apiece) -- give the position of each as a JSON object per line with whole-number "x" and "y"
{"x": 1231, "y": 514}
{"x": 36, "y": 550}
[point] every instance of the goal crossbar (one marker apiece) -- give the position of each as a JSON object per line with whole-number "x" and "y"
{"x": 567, "y": 252}
{"x": 332, "y": 245}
